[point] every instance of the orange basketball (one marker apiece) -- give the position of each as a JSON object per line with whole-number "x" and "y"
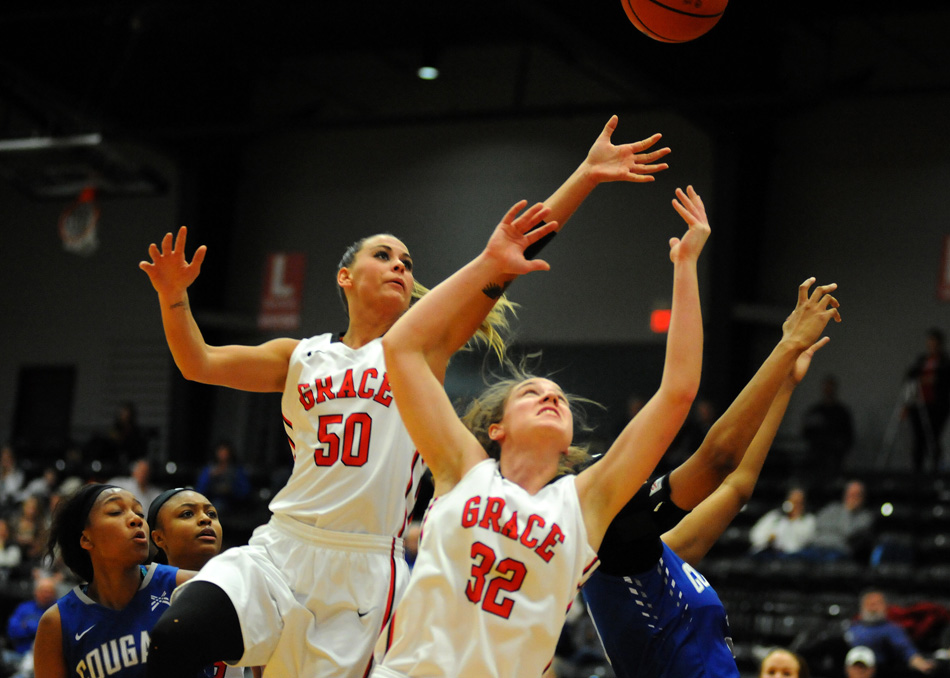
{"x": 674, "y": 20}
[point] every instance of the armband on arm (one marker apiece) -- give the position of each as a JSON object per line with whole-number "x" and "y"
{"x": 534, "y": 249}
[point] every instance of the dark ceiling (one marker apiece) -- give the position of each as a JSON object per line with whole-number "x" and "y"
{"x": 174, "y": 74}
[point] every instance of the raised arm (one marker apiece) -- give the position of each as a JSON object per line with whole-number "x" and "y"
{"x": 724, "y": 446}
{"x": 696, "y": 533}
{"x": 248, "y": 368}
{"x": 606, "y": 486}
{"x": 425, "y": 335}
{"x": 605, "y": 162}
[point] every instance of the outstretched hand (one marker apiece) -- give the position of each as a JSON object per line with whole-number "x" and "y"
{"x": 690, "y": 207}
{"x": 624, "y": 162}
{"x": 169, "y": 271}
{"x": 812, "y": 313}
{"x": 514, "y": 233}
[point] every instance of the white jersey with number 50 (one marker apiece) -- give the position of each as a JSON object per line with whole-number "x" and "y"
{"x": 355, "y": 466}
{"x": 496, "y": 573}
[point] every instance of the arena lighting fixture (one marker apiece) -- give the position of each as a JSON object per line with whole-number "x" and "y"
{"x": 41, "y": 143}
{"x": 428, "y": 70}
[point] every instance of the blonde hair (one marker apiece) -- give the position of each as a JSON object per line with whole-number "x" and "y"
{"x": 489, "y": 407}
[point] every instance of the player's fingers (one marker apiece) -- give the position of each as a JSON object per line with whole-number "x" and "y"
{"x": 823, "y": 290}
{"x": 683, "y": 212}
{"x": 650, "y": 169}
{"x": 803, "y": 289}
{"x": 181, "y": 240}
{"x": 538, "y": 265}
{"x": 814, "y": 348}
{"x": 199, "y": 256}
{"x": 513, "y": 210}
{"x": 610, "y": 127}
{"x": 539, "y": 232}
{"x": 531, "y": 217}
{"x": 644, "y": 144}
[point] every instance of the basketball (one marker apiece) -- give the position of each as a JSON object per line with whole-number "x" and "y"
{"x": 674, "y": 20}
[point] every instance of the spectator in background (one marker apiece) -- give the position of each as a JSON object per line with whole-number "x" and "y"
{"x": 223, "y": 481}
{"x": 138, "y": 482}
{"x": 43, "y": 486}
{"x": 21, "y": 627}
{"x": 783, "y": 531}
{"x": 11, "y": 478}
{"x": 10, "y": 554}
{"x": 782, "y": 663}
{"x": 127, "y": 436}
{"x": 860, "y": 663}
{"x": 632, "y": 407}
{"x": 828, "y": 430}
{"x": 894, "y": 652}
{"x": 842, "y": 529}
{"x": 29, "y": 531}
{"x": 929, "y": 402}
{"x": 701, "y": 418}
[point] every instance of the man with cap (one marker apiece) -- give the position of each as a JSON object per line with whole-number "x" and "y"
{"x": 860, "y": 663}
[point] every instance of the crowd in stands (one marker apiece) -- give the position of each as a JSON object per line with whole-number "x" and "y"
{"x": 29, "y": 582}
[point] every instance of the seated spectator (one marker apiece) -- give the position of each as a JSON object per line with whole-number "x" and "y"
{"x": 138, "y": 482}
{"x": 43, "y": 486}
{"x": 842, "y": 529}
{"x": 223, "y": 480}
{"x": 783, "y": 531}
{"x": 10, "y": 555}
{"x": 894, "y": 652}
{"x": 21, "y": 627}
{"x": 29, "y": 528}
{"x": 129, "y": 439}
{"x": 860, "y": 663}
{"x": 11, "y": 479}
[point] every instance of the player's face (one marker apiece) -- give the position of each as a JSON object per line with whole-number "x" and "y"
{"x": 779, "y": 664}
{"x": 188, "y": 528}
{"x": 538, "y": 407}
{"x": 115, "y": 529}
{"x": 381, "y": 270}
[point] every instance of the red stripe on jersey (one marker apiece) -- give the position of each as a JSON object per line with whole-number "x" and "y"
{"x": 412, "y": 476}
{"x": 392, "y": 586}
{"x": 286, "y": 420}
{"x": 590, "y": 565}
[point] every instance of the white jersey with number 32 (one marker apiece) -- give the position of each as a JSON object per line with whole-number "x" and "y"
{"x": 355, "y": 466}
{"x": 496, "y": 573}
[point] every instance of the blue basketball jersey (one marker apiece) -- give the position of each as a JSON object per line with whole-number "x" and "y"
{"x": 666, "y": 622}
{"x": 102, "y": 643}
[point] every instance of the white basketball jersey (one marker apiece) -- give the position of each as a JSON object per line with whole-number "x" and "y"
{"x": 355, "y": 466}
{"x": 496, "y": 573}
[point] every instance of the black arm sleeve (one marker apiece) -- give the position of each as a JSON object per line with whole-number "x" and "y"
{"x": 632, "y": 542}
